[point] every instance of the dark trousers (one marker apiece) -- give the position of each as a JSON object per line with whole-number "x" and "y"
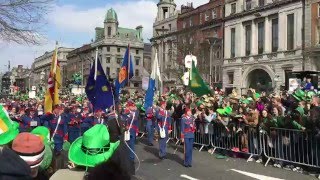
{"x": 188, "y": 148}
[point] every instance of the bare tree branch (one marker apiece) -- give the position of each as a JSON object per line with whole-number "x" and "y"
{"x": 22, "y": 20}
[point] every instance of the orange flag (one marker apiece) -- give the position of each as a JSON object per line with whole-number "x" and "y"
{"x": 54, "y": 83}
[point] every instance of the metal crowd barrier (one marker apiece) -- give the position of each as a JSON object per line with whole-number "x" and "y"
{"x": 233, "y": 137}
{"x": 292, "y": 146}
{"x": 201, "y": 137}
{"x": 142, "y": 125}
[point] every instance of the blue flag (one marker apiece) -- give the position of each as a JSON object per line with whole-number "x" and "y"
{"x": 98, "y": 90}
{"x": 126, "y": 73}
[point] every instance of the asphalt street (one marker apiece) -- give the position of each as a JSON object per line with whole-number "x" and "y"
{"x": 205, "y": 166}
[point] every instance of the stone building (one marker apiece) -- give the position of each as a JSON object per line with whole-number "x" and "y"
{"x": 42, "y": 64}
{"x": 147, "y": 52}
{"x": 17, "y": 79}
{"x": 164, "y": 41}
{"x": 112, "y": 42}
{"x": 312, "y": 35}
{"x": 262, "y": 43}
{"x": 200, "y": 32}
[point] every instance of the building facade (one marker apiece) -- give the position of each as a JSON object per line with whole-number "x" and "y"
{"x": 312, "y": 34}
{"x": 164, "y": 42}
{"x": 112, "y": 42}
{"x": 147, "y": 52}
{"x": 200, "y": 32}
{"x": 42, "y": 64}
{"x": 262, "y": 43}
{"x": 17, "y": 79}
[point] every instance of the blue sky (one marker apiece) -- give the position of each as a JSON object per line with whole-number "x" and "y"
{"x": 72, "y": 23}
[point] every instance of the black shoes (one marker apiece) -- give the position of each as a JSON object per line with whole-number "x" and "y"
{"x": 150, "y": 144}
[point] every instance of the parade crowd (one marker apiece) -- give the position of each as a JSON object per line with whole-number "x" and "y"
{"x": 75, "y": 135}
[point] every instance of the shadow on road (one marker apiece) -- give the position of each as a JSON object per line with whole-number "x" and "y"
{"x": 155, "y": 152}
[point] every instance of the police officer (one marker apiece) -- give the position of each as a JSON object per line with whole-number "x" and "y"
{"x": 131, "y": 116}
{"x": 164, "y": 128}
{"x": 150, "y": 124}
{"x": 187, "y": 136}
{"x": 57, "y": 122}
{"x": 29, "y": 121}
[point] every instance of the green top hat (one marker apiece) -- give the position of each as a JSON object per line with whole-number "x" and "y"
{"x": 300, "y": 110}
{"x": 299, "y": 95}
{"x": 93, "y": 147}
{"x": 8, "y": 128}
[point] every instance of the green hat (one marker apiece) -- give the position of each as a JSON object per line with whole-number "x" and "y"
{"x": 47, "y": 158}
{"x": 310, "y": 95}
{"x": 93, "y": 147}
{"x": 221, "y": 111}
{"x": 227, "y": 110}
{"x": 245, "y": 101}
{"x": 257, "y": 95}
{"x": 300, "y": 110}
{"x": 299, "y": 95}
{"x": 249, "y": 99}
{"x": 8, "y": 128}
{"x": 43, "y": 132}
{"x": 199, "y": 103}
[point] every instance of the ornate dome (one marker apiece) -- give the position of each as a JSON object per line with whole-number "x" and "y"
{"x": 111, "y": 16}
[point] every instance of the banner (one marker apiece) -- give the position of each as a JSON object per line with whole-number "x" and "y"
{"x": 145, "y": 83}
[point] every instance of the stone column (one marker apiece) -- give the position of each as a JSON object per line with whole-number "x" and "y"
{"x": 267, "y": 36}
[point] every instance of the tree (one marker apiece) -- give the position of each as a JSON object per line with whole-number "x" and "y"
{"x": 21, "y": 20}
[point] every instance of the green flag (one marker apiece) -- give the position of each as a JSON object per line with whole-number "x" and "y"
{"x": 196, "y": 83}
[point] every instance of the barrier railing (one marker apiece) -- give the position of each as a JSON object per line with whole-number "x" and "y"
{"x": 142, "y": 125}
{"x": 292, "y": 146}
{"x": 201, "y": 136}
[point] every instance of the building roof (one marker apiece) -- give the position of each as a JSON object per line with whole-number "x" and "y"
{"x": 111, "y": 16}
{"x": 167, "y": 2}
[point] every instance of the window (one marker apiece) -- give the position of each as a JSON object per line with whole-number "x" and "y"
{"x": 206, "y": 17}
{"x": 230, "y": 78}
{"x": 136, "y": 72}
{"x": 214, "y": 14}
{"x": 137, "y": 62}
{"x": 233, "y": 8}
{"x": 109, "y": 31}
{"x": 190, "y": 22}
{"x": 191, "y": 40}
{"x": 261, "y": 3}
{"x": 136, "y": 84}
{"x": 200, "y": 18}
{"x": 248, "y": 40}
{"x": 137, "y": 51}
{"x": 108, "y": 48}
{"x": 233, "y": 43}
{"x": 108, "y": 59}
{"x": 290, "y": 31}
{"x": 184, "y": 24}
{"x": 260, "y": 37}
{"x": 108, "y": 71}
{"x": 248, "y": 4}
{"x": 118, "y": 50}
{"x": 119, "y": 60}
{"x": 275, "y": 35}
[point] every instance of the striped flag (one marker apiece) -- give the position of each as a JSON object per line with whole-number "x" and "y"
{"x": 54, "y": 83}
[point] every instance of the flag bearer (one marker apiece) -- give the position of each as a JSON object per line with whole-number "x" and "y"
{"x": 187, "y": 136}
{"x": 150, "y": 124}
{"x": 131, "y": 116}
{"x": 57, "y": 122}
{"x": 164, "y": 128}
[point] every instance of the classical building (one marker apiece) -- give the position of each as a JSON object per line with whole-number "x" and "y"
{"x": 164, "y": 42}
{"x": 200, "y": 32}
{"x": 112, "y": 42}
{"x": 312, "y": 34}
{"x": 17, "y": 79}
{"x": 42, "y": 64}
{"x": 262, "y": 43}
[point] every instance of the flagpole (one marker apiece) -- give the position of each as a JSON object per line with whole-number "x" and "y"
{"x": 129, "y": 61}
{"x": 96, "y": 65}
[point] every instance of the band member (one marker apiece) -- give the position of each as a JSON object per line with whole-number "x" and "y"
{"x": 29, "y": 121}
{"x": 74, "y": 124}
{"x": 150, "y": 124}
{"x": 99, "y": 117}
{"x": 187, "y": 136}
{"x": 57, "y": 122}
{"x": 164, "y": 127}
{"x": 131, "y": 123}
